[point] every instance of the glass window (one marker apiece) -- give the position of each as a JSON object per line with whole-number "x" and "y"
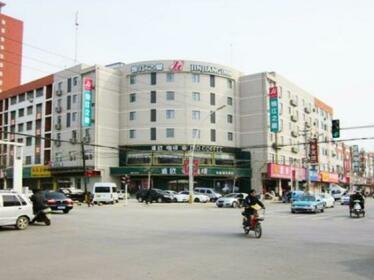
{"x": 138, "y": 158}
{"x": 68, "y": 120}
{"x": 132, "y": 133}
{"x": 176, "y": 158}
{"x": 13, "y": 100}
{"x": 39, "y": 108}
{"x": 230, "y": 136}
{"x": 212, "y": 80}
{"x": 22, "y": 97}
{"x": 224, "y": 159}
{"x": 153, "y": 96}
{"x": 39, "y": 92}
{"x": 10, "y": 201}
{"x": 75, "y": 81}
{"x": 74, "y": 117}
{"x": 68, "y": 102}
{"x": 74, "y": 98}
{"x": 212, "y": 99}
{"x": 170, "y": 77}
{"x": 132, "y": 79}
{"x": 196, "y": 96}
{"x": 153, "y": 115}
{"x": 196, "y": 78}
{"x": 196, "y": 115}
{"x": 212, "y": 117}
{"x": 20, "y": 127}
{"x": 204, "y": 158}
{"x": 132, "y": 116}
{"x": 29, "y": 125}
{"x": 29, "y": 110}
{"x": 196, "y": 133}
{"x": 30, "y": 95}
{"x": 153, "y": 78}
{"x": 28, "y": 141}
{"x": 229, "y": 118}
{"x": 229, "y": 101}
{"x": 170, "y": 133}
{"x": 230, "y": 83}
{"x": 28, "y": 160}
{"x": 21, "y": 112}
{"x": 132, "y": 97}
{"x": 69, "y": 85}
{"x": 170, "y": 114}
{"x": 153, "y": 133}
{"x": 213, "y": 135}
{"x": 170, "y": 95}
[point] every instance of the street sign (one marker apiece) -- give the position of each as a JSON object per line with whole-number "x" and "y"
{"x": 313, "y": 151}
{"x": 186, "y": 167}
{"x": 274, "y": 110}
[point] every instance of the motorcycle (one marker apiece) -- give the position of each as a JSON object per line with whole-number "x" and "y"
{"x": 256, "y": 228}
{"x": 43, "y": 216}
{"x": 356, "y": 210}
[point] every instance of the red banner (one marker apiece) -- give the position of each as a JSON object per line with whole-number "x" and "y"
{"x": 313, "y": 151}
{"x": 186, "y": 167}
{"x": 273, "y": 92}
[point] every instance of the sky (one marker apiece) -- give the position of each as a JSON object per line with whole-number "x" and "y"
{"x": 324, "y": 46}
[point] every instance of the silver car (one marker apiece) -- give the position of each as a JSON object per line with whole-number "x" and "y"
{"x": 233, "y": 200}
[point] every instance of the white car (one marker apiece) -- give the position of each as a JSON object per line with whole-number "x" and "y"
{"x": 121, "y": 195}
{"x": 211, "y": 193}
{"x": 328, "y": 199}
{"x": 231, "y": 200}
{"x": 184, "y": 196}
{"x": 15, "y": 210}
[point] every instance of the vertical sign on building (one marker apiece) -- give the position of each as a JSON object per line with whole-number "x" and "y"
{"x": 313, "y": 151}
{"x": 355, "y": 159}
{"x": 87, "y": 102}
{"x": 273, "y": 105}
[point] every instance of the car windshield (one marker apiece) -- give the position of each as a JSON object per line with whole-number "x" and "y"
{"x": 307, "y": 198}
{"x": 54, "y": 195}
{"x": 102, "y": 189}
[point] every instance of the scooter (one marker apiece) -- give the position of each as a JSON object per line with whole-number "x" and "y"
{"x": 356, "y": 210}
{"x": 256, "y": 228}
{"x": 43, "y": 216}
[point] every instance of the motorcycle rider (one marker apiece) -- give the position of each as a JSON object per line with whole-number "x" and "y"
{"x": 356, "y": 196}
{"x": 249, "y": 202}
{"x": 38, "y": 204}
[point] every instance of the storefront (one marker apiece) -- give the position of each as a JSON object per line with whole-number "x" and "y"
{"x": 34, "y": 177}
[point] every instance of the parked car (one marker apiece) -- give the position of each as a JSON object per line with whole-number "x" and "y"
{"x": 308, "y": 203}
{"x": 15, "y": 210}
{"x": 184, "y": 196}
{"x": 337, "y": 192}
{"x": 233, "y": 200}
{"x": 155, "y": 195}
{"x": 345, "y": 199}
{"x": 73, "y": 194}
{"x": 57, "y": 201}
{"x": 122, "y": 194}
{"x": 172, "y": 195}
{"x": 105, "y": 193}
{"x": 328, "y": 200}
{"x": 211, "y": 193}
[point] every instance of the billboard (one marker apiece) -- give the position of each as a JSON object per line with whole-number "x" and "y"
{"x": 87, "y": 102}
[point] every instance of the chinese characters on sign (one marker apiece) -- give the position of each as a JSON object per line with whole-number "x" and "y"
{"x": 186, "y": 167}
{"x": 198, "y": 148}
{"x": 313, "y": 151}
{"x": 273, "y": 102}
{"x": 87, "y": 102}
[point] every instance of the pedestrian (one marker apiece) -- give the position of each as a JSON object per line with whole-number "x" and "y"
{"x": 90, "y": 199}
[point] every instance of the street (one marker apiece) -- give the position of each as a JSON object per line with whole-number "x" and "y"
{"x": 176, "y": 241}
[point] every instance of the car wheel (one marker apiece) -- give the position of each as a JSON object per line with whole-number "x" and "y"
{"x": 196, "y": 200}
{"x": 66, "y": 211}
{"x": 322, "y": 210}
{"x": 235, "y": 204}
{"x": 140, "y": 199}
{"x": 293, "y": 211}
{"x": 159, "y": 200}
{"x": 22, "y": 223}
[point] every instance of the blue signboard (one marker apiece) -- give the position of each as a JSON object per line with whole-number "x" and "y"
{"x": 87, "y": 103}
{"x": 274, "y": 110}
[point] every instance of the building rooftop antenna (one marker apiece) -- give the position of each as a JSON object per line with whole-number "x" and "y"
{"x": 76, "y": 37}
{"x": 2, "y": 4}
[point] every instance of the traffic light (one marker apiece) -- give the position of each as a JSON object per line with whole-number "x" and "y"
{"x": 335, "y": 129}
{"x": 125, "y": 180}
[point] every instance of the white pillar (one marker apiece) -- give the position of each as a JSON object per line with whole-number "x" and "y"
{"x": 17, "y": 168}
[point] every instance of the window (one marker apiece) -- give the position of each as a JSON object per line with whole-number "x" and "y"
{"x": 153, "y": 78}
{"x": 170, "y": 114}
{"x": 29, "y": 125}
{"x": 21, "y": 112}
{"x": 212, "y": 117}
{"x": 138, "y": 158}
{"x": 28, "y": 160}
{"x": 213, "y": 135}
{"x": 20, "y": 127}
{"x": 153, "y": 96}
{"x": 39, "y": 108}
{"x": 132, "y": 133}
{"x": 196, "y": 115}
{"x": 132, "y": 80}
{"x": 74, "y": 117}
{"x": 170, "y": 95}
{"x": 212, "y": 80}
{"x": 132, "y": 116}
{"x": 68, "y": 120}
{"x": 29, "y": 110}
{"x": 229, "y": 118}
{"x": 196, "y": 78}
{"x": 229, "y": 101}
{"x": 37, "y": 159}
{"x": 153, "y": 115}
{"x": 75, "y": 81}
{"x": 21, "y": 97}
{"x": 175, "y": 158}
{"x": 195, "y": 133}
{"x": 153, "y": 133}
{"x": 10, "y": 201}
{"x": 230, "y": 136}
{"x": 69, "y": 85}
{"x": 196, "y": 96}
{"x": 38, "y": 141}
{"x": 74, "y": 98}
{"x": 13, "y": 100}
{"x": 132, "y": 97}
{"x": 28, "y": 141}
{"x": 39, "y": 92}
{"x": 212, "y": 99}
{"x": 68, "y": 102}
{"x": 170, "y": 77}
{"x": 170, "y": 133}
{"x": 230, "y": 83}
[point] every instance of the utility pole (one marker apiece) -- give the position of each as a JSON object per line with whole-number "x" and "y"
{"x": 84, "y": 170}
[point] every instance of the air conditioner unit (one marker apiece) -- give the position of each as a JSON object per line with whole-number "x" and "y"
{"x": 73, "y": 140}
{"x": 293, "y": 102}
{"x": 58, "y": 92}
{"x": 86, "y": 139}
{"x": 58, "y": 126}
{"x": 307, "y": 110}
{"x": 294, "y": 133}
{"x": 58, "y": 143}
{"x": 307, "y": 125}
{"x": 294, "y": 118}
{"x": 295, "y": 150}
{"x": 58, "y": 109}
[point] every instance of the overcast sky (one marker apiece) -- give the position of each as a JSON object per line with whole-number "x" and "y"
{"x": 324, "y": 46}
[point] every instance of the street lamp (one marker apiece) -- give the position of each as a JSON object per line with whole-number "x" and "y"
{"x": 190, "y": 163}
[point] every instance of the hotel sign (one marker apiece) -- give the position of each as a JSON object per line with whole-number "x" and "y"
{"x": 151, "y": 67}
{"x": 199, "y": 68}
{"x": 87, "y": 102}
{"x": 198, "y": 148}
{"x": 274, "y": 114}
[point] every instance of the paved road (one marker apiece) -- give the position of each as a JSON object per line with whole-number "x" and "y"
{"x": 182, "y": 242}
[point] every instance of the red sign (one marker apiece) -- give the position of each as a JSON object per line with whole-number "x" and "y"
{"x": 186, "y": 167}
{"x": 273, "y": 92}
{"x": 313, "y": 151}
{"x": 88, "y": 84}
{"x": 177, "y": 66}
{"x": 279, "y": 171}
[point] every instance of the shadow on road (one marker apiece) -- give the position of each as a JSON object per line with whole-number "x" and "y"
{"x": 361, "y": 267}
